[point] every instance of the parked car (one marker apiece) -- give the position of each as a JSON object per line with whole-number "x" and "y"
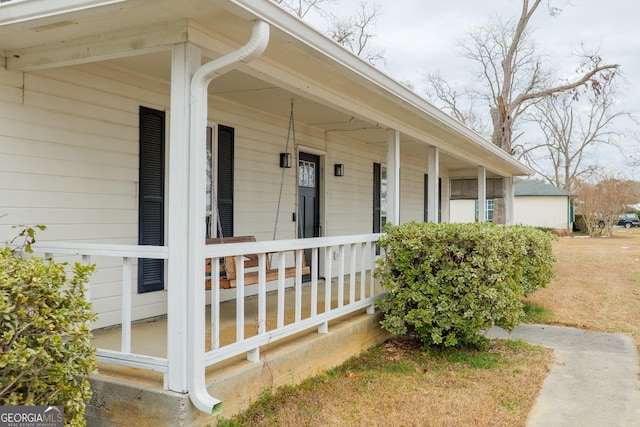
{"x": 628, "y": 220}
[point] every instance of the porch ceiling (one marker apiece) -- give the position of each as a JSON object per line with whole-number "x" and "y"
{"x": 333, "y": 90}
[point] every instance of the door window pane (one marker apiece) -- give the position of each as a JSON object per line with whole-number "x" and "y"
{"x": 306, "y": 174}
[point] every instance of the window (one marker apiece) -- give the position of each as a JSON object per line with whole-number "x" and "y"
{"x": 379, "y": 197}
{"x": 488, "y": 210}
{"x": 306, "y": 174}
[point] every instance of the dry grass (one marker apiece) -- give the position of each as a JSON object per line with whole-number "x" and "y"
{"x": 399, "y": 384}
{"x": 597, "y": 287}
{"x": 597, "y": 284}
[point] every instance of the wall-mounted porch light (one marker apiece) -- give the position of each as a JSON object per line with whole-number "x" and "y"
{"x": 338, "y": 169}
{"x": 285, "y": 160}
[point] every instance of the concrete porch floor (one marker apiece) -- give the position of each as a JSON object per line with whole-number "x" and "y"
{"x": 135, "y": 397}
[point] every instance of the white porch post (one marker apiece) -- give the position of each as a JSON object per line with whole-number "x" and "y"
{"x": 393, "y": 176}
{"x": 482, "y": 194}
{"x": 509, "y": 200}
{"x": 185, "y": 60}
{"x": 433, "y": 196}
{"x": 446, "y": 200}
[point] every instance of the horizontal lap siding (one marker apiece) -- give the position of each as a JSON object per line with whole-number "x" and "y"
{"x": 412, "y": 188}
{"x": 350, "y": 197}
{"x": 259, "y": 140}
{"x": 69, "y": 160}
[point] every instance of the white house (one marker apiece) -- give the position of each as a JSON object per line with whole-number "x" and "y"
{"x": 135, "y": 129}
{"x": 542, "y": 205}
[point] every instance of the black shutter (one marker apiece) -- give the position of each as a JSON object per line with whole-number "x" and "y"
{"x": 377, "y": 182}
{"x": 151, "y": 197}
{"x": 225, "y": 179}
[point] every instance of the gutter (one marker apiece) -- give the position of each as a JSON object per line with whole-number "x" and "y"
{"x": 200, "y": 81}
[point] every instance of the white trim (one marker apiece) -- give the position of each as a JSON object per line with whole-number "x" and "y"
{"x": 24, "y": 11}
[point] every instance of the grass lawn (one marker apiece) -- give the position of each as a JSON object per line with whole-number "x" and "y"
{"x": 597, "y": 284}
{"x": 597, "y": 287}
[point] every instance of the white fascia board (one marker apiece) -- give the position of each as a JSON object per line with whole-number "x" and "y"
{"x": 296, "y": 28}
{"x": 25, "y": 11}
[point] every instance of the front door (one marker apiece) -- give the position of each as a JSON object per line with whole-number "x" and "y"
{"x": 308, "y": 198}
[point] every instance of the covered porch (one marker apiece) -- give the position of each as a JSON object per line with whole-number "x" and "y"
{"x": 364, "y": 150}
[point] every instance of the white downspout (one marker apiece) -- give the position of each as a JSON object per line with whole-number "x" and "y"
{"x": 197, "y": 154}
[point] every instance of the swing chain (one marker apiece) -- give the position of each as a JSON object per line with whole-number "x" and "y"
{"x": 291, "y": 135}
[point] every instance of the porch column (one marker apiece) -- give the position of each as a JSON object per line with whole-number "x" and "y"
{"x": 509, "y": 200}
{"x": 433, "y": 195}
{"x": 185, "y": 60}
{"x": 446, "y": 200}
{"x": 393, "y": 176}
{"x": 482, "y": 194}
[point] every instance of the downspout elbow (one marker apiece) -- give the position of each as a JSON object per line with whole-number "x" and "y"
{"x": 200, "y": 81}
{"x": 253, "y": 49}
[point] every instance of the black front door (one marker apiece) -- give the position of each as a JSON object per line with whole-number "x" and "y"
{"x": 308, "y": 198}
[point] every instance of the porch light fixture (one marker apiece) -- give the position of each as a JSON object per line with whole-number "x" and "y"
{"x": 338, "y": 169}
{"x": 285, "y": 160}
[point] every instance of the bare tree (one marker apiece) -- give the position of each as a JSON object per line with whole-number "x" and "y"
{"x": 455, "y": 101}
{"x": 301, "y": 8}
{"x": 354, "y": 32}
{"x": 513, "y": 72}
{"x": 601, "y": 203}
{"x": 573, "y": 125}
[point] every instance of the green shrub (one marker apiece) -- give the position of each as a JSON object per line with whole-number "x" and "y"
{"x": 45, "y": 350}
{"x": 448, "y": 282}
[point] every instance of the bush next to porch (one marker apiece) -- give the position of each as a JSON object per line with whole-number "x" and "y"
{"x": 448, "y": 282}
{"x": 45, "y": 345}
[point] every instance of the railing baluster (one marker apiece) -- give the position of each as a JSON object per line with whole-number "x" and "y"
{"x": 328, "y": 256}
{"x": 254, "y": 354}
{"x": 215, "y": 303}
{"x": 126, "y": 306}
{"x": 352, "y": 274}
{"x": 262, "y": 293}
{"x": 372, "y": 252}
{"x": 363, "y": 270}
{"x": 239, "y": 298}
{"x": 281, "y": 290}
{"x": 341, "y": 276}
{"x": 314, "y": 282}
{"x": 298, "y": 283}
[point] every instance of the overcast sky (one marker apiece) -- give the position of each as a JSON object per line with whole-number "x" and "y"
{"x": 421, "y": 35}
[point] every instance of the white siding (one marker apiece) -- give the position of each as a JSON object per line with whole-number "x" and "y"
{"x": 540, "y": 211}
{"x": 69, "y": 160}
{"x": 412, "y": 173}
{"x": 463, "y": 211}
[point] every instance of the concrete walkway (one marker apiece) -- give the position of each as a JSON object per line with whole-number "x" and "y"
{"x": 594, "y": 381}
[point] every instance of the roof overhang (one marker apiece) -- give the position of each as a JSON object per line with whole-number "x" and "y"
{"x": 334, "y": 91}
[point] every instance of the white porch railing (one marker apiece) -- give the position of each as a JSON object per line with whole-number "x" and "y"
{"x": 128, "y": 254}
{"x": 341, "y": 283}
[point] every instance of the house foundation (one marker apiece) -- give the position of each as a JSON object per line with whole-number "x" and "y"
{"x": 133, "y": 397}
